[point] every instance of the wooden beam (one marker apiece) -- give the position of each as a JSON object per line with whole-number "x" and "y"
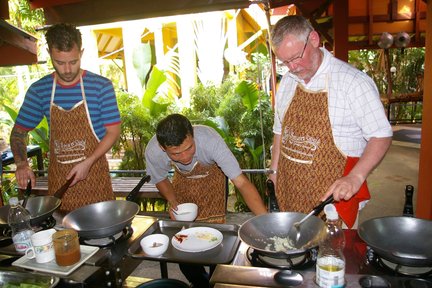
{"x": 340, "y": 29}
{"x": 370, "y": 21}
{"x": 424, "y": 196}
{"x": 105, "y": 11}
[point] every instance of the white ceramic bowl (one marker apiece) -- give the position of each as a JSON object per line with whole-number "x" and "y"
{"x": 155, "y": 244}
{"x": 186, "y": 212}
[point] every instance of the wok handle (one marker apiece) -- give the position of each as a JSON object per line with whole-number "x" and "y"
{"x": 320, "y": 207}
{"x": 27, "y": 193}
{"x": 132, "y": 195}
{"x": 60, "y": 192}
{"x": 409, "y": 256}
{"x": 272, "y": 201}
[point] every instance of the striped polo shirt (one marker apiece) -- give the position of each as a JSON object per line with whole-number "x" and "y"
{"x": 99, "y": 92}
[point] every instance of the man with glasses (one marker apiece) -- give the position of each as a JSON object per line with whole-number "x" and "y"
{"x": 330, "y": 128}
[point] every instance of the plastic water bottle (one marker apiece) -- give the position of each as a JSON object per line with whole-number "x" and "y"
{"x": 330, "y": 268}
{"x": 19, "y": 221}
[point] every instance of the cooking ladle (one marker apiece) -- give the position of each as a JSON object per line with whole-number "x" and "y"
{"x": 294, "y": 233}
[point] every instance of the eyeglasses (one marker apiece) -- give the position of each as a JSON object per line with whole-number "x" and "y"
{"x": 301, "y": 55}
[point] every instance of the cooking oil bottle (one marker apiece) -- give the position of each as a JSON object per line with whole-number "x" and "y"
{"x": 330, "y": 268}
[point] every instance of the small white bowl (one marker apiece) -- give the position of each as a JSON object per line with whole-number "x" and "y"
{"x": 155, "y": 244}
{"x": 186, "y": 212}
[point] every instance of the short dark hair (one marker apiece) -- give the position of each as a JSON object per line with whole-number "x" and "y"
{"x": 63, "y": 37}
{"x": 173, "y": 130}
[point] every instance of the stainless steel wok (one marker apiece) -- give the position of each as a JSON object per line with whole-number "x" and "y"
{"x": 258, "y": 231}
{"x": 104, "y": 219}
{"x": 401, "y": 240}
{"x": 40, "y": 208}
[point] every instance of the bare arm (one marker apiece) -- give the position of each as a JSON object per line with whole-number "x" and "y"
{"x": 166, "y": 189}
{"x": 346, "y": 187}
{"x": 18, "y": 143}
{"x": 82, "y": 169}
{"x": 275, "y": 156}
{"x": 250, "y": 194}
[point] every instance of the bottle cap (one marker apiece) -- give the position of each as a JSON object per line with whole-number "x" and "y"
{"x": 331, "y": 212}
{"x": 13, "y": 201}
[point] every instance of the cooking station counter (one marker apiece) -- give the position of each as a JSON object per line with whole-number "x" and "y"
{"x": 109, "y": 267}
{"x": 360, "y": 272}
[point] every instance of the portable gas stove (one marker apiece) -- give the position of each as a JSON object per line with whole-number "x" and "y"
{"x": 363, "y": 269}
{"x": 109, "y": 267}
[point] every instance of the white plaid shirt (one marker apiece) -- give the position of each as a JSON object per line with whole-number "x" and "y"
{"x": 356, "y": 112}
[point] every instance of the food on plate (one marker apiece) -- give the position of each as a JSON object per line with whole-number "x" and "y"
{"x": 206, "y": 236}
{"x": 180, "y": 237}
{"x": 280, "y": 244}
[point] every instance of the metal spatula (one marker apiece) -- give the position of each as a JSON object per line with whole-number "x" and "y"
{"x": 294, "y": 234}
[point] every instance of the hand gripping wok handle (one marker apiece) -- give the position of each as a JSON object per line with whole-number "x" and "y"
{"x": 320, "y": 207}
{"x": 132, "y": 195}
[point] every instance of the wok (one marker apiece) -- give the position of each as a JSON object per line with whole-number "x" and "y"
{"x": 40, "y": 208}
{"x": 258, "y": 231}
{"x": 104, "y": 219}
{"x": 401, "y": 240}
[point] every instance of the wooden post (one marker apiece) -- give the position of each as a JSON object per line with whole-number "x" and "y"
{"x": 424, "y": 197}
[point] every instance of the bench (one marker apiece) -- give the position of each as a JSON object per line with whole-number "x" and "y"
{"x": 122, "y": 186}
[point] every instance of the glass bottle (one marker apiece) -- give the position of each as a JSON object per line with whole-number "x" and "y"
{"x": 19, "y": 221}
{"x": 330, "y": 268}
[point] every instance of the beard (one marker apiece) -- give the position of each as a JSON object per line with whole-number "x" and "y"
{"x": 67, "y": 77}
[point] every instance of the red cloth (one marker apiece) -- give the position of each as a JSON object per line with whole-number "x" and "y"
{"x": 348, "y": 210}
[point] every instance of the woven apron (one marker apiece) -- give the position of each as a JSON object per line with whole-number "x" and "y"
{"x": 72, "y": 139}
{"x": 309, "y": 160}
{"x": 204, "y": 186}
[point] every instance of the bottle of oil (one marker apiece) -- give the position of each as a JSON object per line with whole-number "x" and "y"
{"x": 330, "y": 268}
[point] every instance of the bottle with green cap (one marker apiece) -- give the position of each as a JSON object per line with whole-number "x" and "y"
{"x": 330, "y": 267}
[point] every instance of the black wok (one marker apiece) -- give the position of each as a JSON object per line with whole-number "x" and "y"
{"x": 40, "y": 208}
{"x": 401, "y": 240}
{"x": 104, "y": 219}
{"x": 257, "y": 231}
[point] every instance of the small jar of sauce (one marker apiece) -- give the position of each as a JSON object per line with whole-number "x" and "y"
{"x": 66, "y": 247}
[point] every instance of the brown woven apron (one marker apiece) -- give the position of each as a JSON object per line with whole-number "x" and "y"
{"x": 204, "y": 186}
{"x": 309, "y": 161}
{"x": 72, "y": 139}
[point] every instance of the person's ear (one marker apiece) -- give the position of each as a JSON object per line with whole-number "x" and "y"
{"x": 81, "y": 53}
{"x": 314, "y": 39}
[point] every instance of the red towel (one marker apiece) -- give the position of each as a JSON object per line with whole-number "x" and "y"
{"x": 348, "y": 210}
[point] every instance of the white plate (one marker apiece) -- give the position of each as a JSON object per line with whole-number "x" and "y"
{"x": 197, "y": 239}
{"x": 52, "y": 267}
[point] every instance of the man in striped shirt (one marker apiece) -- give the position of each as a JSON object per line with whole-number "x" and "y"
{"x": 84, "y": 123}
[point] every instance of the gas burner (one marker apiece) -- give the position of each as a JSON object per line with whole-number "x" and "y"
{"x": 396, "y": 269}
{"x": 299, "y": 261}
{"x": 126, "y": 233}
{"x": 47, "y": 223}
{"x": 6, "y": 231}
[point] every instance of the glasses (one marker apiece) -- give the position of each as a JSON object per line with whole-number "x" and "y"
{"x": 301, "y": 55}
